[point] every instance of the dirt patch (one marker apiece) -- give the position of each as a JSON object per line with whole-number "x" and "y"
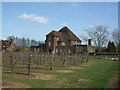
{"x": 9, "y": 84}
{"x": 43, "y": 76}
{"x": 85, "y": 65}
{"x": 65, "y": 71}
{"x": 31, "y": 76}
{"x": 76, "y": 67}
{"x": 83, "y": 80}
{"x": 32, "y": 69}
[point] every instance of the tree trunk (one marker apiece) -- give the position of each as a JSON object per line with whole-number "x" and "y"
{"x": 11, "y": 61}
{"x": 37, "y": 61}
{"x": 29, "y": 63}
{"x": 52, "y": 61}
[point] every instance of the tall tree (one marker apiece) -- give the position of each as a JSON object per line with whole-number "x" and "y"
{"x": 111, "y": 47}
{"x": 23, "y": 42}
{"x": 33, "y": 42}
{"x": 116, "y": 36}
{"x": 11, "y": 37}
{"x": 28, "y": 42}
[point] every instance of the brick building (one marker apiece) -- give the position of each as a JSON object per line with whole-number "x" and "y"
{"x": 8, "y": 45}
{"x": 57, "y": 41}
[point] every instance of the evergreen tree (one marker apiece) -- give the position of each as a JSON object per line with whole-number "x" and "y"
{"x": 111, "y": 47}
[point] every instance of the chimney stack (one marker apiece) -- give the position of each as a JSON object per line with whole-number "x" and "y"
{"x": 11, "y": 41}
{"x": 89, "y": 42}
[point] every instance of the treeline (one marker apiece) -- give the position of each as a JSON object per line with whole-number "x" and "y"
{"x": 24, "y": 42}
{"x": 111, "y": 48}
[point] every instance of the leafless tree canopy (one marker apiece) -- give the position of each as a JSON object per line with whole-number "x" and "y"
{"x": 116, "y": 37}
{"x": 98, "y": 34}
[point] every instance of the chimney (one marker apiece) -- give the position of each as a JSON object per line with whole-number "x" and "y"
{"x": 89, "y": 42}
{"x": 11, "y": 41}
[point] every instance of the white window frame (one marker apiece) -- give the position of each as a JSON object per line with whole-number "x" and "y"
{"x": 49, "y": 43}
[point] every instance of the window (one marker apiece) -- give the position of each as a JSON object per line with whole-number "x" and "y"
{"x": 57, "y": 39}
{"x": 78, "y": 43}
{"x": 49, "y": 44}
{"x": 63, "y": 44}
{"x": 3, "y": 46}
{"x": 69, "y": 51}
{"x": 60, "y": 50}
{"x": 56, "y": 50}
{"x": 35, "y": 49}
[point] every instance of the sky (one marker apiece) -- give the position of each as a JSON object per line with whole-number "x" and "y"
{"x": 36, "y": 19}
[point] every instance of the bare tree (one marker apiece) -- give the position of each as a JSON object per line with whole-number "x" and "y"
{"x": 116, "y": 37}
{"x": 98, "y": 34}
{"x": 84, "y": 37}
{"x": 11, "y": 61}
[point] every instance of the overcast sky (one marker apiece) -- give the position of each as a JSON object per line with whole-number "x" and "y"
{"x": 36, "y": 19}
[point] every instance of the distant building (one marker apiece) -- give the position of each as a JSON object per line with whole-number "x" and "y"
{"x": 58, "y": 41}
{"x": 85, "y": 48}
{"x": 8, "y": 45}
{"x": 39, "y": 48}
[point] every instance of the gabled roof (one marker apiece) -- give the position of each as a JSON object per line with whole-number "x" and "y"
{"x": 64, "y": 33}
{"x": 55, "y": 33}
{"x": 68, "y": 34}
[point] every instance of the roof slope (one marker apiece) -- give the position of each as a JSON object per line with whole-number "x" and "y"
{"x": 65, "y": 33}
{"x": 68, "y": 34}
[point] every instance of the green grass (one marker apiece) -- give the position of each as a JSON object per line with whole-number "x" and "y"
{"x": 99, "y": 75}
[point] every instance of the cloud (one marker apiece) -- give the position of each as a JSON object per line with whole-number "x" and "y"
{"x": 75, "y": 5}
{"x": 33, "y": 18}
{"x": 64, "y": 24}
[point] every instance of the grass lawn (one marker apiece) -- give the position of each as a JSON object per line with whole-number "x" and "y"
{"x": 97, "y": 73}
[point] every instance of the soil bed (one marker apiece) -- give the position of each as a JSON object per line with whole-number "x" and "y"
{"x": 31, "y": 76}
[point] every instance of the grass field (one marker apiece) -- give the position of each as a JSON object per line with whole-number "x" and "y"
{"x": 97, "y": 73}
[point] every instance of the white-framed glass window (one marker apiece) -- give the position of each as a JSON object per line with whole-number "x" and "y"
{"x": 57, "y": 39}
{"x": 63, "y": 44}
{"x": 3, "y": 46}
{"x": 56, "y": 50}
{"x": 60, "y": 50}
{"x": 69, "y": 51}
{"x": 49, "y": 43}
